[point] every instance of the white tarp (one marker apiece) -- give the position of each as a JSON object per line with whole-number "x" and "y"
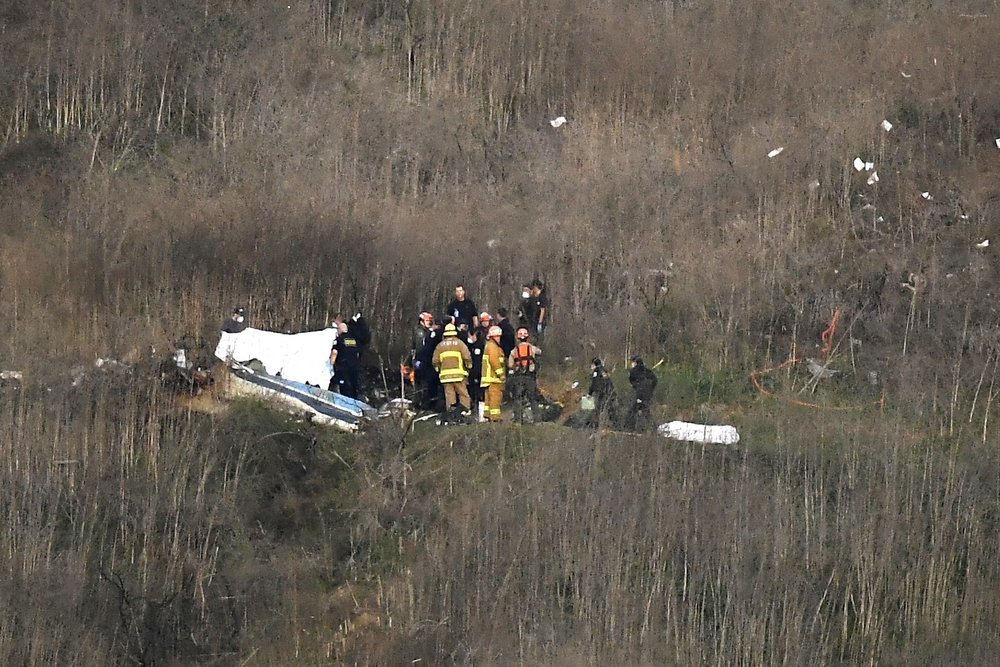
{"x": 719, "y": 435}
{"x": 302, "y": 357}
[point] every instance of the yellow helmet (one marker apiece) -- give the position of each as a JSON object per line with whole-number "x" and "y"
{"x": 494, "y": 332}
{"x": 450, "y": 330}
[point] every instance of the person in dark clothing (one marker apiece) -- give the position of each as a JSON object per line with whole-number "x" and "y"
{"x": 428, "y": 384}
{"x": 463, "y": 310}
{"x": 358, "y": 327}
{"x": 346, "y": 360}
{"x": 539, "y": 308}
{"x": 643, "y": 383}
{"x": 236, "y": 322}
{"x": 602, "y": 390}
{"x": 475, "y": 340}
{"x": 534, "y": 308}
{"x": 526, "y": 309}
{"x": 508, "y": 338}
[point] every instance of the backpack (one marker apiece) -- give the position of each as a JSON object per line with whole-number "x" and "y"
{"x": 524, "y": 358}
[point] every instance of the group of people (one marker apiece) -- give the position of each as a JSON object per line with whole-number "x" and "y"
{"x": 474, "y": 359}
{"x": 606, "y": 405}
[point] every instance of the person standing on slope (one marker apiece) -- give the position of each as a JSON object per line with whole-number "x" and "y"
{"x": 643, "y": 383}
{"x": 463, "y": 311}
{"x": 346, "y": 360}
{"x": 494, "y": 374}
{"x": 602, "y": 390}
{"x": 452, "y": 361}
{"x": 522, "y": 364}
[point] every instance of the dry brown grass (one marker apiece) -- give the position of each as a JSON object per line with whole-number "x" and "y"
{"x": 161, "y": 162}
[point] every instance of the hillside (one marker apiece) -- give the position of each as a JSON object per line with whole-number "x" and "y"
{"x": 162, "y": 162}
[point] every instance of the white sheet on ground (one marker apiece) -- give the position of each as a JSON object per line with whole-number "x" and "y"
{"x": 302, "y": 357}
{"x": 716, "y": 434}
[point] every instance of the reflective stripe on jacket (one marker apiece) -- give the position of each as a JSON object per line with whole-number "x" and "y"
{"x": 493, "y": 365}
{"x": 452, "y": 360}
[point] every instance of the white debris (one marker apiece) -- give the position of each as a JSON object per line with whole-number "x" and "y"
{"x": 813, "y": 185}
{"x": 859, "y": 164}
{"x": 985, "y": 243}
{"x": 869, "y": 166}
{"x": 905, "y": 75}
{"x": 776, "y": 152}
{"x": 949, "y": 275}
{"x": 927, "y": 195}
{"x": 719, "y": 435}
{"x": 819, "y": 371}
{"x": 558, "y": 122}
{"x": 574, "y": 385}
{"x": 492, "y": 243}
{"x": 963, "y": 216}
{"x": 886, "y": 125}
{"x": 181, "y": 360}
{"x": 998, "y": 142}
{"x": 873, "y": 179}
{"x": 880, "y": 219}
{"x": 12, "y": 375}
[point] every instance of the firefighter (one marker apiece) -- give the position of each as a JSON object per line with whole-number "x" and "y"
{"x": 523, "y": 367}
{"x": 475, "y": 340}
{"x": 643, "y": 383}
{"x": 494, "y": 374}
{"x": 452, "y": 361}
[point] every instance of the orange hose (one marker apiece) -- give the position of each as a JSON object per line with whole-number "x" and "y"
{"x": 755, "y": 378}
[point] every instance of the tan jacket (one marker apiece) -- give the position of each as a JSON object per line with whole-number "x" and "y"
{"x": 452, "y": 360}
{"x": 493, "y": 365}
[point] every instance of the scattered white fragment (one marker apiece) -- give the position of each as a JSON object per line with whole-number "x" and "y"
{"x": 859, "y": 164}
{"x": 905, "y": 75}
{"x": 886, "y": 125}
{"x": 935, "y": 62}
{"x": 998, "y": 142}
{"x": 868, "y": 207}
{"x": 869, "y": 166}
{"x": 776, "y": 152}
{"x": 719, "y": 435}
{"x": 819, "y": 371}
{"x": 873, "y": 179}
{"x": 985, "y": 243}
{"x": 813, "y": 185}
{"x": 949, "y": 275}
{"x": 880, "y": 219}
{"x": 492, "y": 243}
{"x": 574, "y": 385}
{"x": 558, "y": 122}
{"x": 12, "y": 375}
{"x": 927, "y": 195}
{"x": 963, "y": 216}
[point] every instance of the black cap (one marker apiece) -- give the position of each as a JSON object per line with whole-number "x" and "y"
{"x": 596, "y": 361}
{"x": 238, "y": 310}
{"x": 637, "y": 360}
